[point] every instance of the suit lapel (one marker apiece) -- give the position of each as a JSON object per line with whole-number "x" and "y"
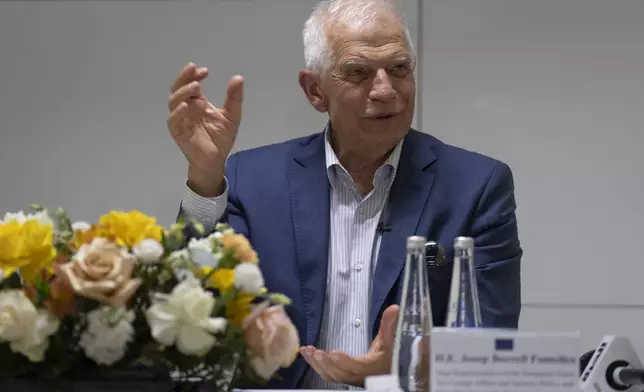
{"x": 309, "y": 196}
{"x": 407, "y": 201}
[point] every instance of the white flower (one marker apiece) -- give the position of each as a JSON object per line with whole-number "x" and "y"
{"x": 200, "y": 243}
{"x": 148, "y": 251}
{"x": 183, "y": 318}
{"x": 178, "y": 256}
{"x": 81, "y": 226}
{"x": 109, "y": 330}
{"x": 248, "y": 278}
{"x": 216, "y": 325}
{"x": 42, "y": 217}
{"x": 177, "y": 260}
{"x": 26, "y": 328}
{"x": 202, "y": 252}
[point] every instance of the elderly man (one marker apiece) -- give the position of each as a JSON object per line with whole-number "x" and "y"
{"x": 329, "y": 213}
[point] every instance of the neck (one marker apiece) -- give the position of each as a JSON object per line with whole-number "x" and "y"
{"x": 361, "y": 163}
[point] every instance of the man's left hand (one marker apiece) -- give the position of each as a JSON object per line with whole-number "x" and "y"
{"x": 340, "y": 367}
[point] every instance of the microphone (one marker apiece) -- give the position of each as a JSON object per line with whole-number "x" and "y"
{"x": 613, "y": 366}
{"x": 434, "y": 254}
{"x": 381, "y": 228}
{"x": 628, "y": 376}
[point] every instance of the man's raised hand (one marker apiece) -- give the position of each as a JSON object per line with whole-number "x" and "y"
{"x": 204, "y": 133}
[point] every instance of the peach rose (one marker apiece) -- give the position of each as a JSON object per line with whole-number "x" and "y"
{"x": 240, "y": 246}
{"x": 271, "y": 339}
{"x": 102, "y": 271}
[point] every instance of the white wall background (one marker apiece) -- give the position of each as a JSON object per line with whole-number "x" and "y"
{"x": 556, "y": 89}
{"x": 553, "y": 87}
{"x": 84, "y": 86}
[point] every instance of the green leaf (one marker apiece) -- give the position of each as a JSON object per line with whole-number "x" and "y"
{"x": 222, "y": 301}
{"x": 199, "y": 228}
{"x": 164, "y": 243}
{"x": 64, "y": 224}
{"x": 221, "y": 227}
{"x": 280, "y": 299}
{"x": 227, "y": 259}
{"x": 42, "y": 291}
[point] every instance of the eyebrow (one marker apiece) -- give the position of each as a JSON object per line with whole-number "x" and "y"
{"x": 359, "y": 62}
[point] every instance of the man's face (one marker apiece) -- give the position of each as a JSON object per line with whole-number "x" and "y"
{"x": 370, "y": 88}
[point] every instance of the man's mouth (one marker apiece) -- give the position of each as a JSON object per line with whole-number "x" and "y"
{"x": 385, "y": 116}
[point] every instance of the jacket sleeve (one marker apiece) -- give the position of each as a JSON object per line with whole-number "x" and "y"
{"x": 498, "y": 251}
{"x": 235, "y": 215}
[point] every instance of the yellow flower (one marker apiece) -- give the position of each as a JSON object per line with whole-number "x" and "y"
{"x": 238, "y": 309}
{"x": 128, "y": 228}
{"x": 82, "y": 237}
{"x": 223, "y": 279}
{"x": 27, "y": 246}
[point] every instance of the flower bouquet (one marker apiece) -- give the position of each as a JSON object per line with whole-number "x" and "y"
{"x": 127, "y": 304}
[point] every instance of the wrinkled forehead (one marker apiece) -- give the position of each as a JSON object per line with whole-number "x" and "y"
{"x": 382, "y": 41}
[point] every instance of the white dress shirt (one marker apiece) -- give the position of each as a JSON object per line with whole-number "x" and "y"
{"x": 353, "y": 251}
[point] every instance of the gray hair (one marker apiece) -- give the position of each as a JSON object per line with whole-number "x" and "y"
{"x": 356, "y": 14}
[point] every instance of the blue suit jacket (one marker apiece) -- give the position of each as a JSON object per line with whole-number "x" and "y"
{"x": 279, "y": 198}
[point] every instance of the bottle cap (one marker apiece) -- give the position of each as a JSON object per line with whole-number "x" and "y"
{"x": 464, "y": 242}
{"x": 382, "y": 383}
{"x": 416, "y": 242}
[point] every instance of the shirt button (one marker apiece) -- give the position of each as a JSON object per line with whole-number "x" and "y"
{"x": 359, "y": 267}
{"x": 357, "y": 323}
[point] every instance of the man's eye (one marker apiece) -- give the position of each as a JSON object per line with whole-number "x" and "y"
{"x": 400, "y": 70}
{"x": 355, "y": 72}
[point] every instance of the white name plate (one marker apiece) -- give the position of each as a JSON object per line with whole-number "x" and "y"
{"x": 495, "y": 360}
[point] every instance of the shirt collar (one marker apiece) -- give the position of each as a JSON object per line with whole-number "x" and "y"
{"x": 385, "y": 172}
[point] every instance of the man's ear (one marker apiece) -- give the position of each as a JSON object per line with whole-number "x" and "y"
{"x": 310, "y": 83}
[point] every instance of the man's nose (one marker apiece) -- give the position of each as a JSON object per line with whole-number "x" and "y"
{"x": 382, "y": 89}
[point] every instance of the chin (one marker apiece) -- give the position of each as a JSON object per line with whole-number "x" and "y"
{"x": 390, "y": 127}
{"x": 379, "y": 140}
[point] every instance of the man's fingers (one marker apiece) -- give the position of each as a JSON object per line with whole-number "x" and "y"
{"x": 388, "y": 325}
{"x": 346, "y": 362}
{"x": 191, "y": 111}
{"x": 176, "y": 118}
{"x": 183, "y": 76}
{"x": 189, "y": 74}
{"x": 335, "y": 371}
{"x": 308, "y": 353}
{"x": 191, "y": 90}
{"x": 340, "y": 367}
{"x": 232, "y": 108}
